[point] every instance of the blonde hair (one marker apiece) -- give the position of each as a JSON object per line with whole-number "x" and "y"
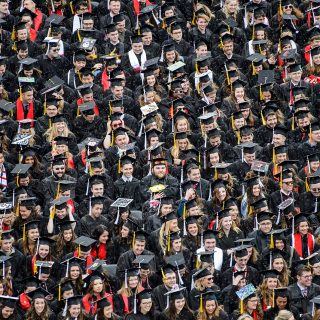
{"x": 225, "y": 11}
{"x": 164, "y": 230}
{"x": 52, "y": 132}
{"x": 175, "y": 151}
{"x": 284, "y": 315}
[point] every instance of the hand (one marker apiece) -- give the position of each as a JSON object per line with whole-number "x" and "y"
{"x": 177, "y": 162}
{"x": 97, "y": 66}
{"x": 236, "y": 280}
{"x": 189, "y": 194}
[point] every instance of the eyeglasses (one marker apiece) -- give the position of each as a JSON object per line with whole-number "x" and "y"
{"x": 288, "y": 7}
{"x": 288, "y": 182}
{"x": 55, "y": 50}
{"x": 254, "y": 300}
{"x": 315, "y": 189}
{"x": 209, "y": 279}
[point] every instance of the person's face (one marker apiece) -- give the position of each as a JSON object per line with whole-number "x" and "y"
{"x": 6, "y": 311}
{"x": 133, "y": 282}
{"x": 231, "y": 6}
{"x": 271, "y": 283}
{"x": 113, "y": 36}
{"x": 104, "y": 237}
{"x": 24, "y": 182}
{"x": 87, "y": 97}
{"x": 121, "y": 140}
{"x": 228, "y": 48}
{"x": 22, "y": 34}
{"x": 221, "y": 194}
{"x": 145, "y": 305}
{"x": 121, "y": 26}
{"x": 124, "y": 232}
{"x": 214, "y": 158}
{"x": 279, "y": 244}
{"x": 174, "y": 225}
{"x": 278, "y": 140}
{"x": 147, "y": 38}
{"x": 114, "y": 7}
{"x": 61, "y": 213}
{"x": 249, "y": 157}
{"x": 54, "y": 52}
{"x": 117, "y": 91}
{"x": 260, "y": 35}
{"x": 208, "y": 281}
{"x": 305, "y": 279}
{"x": 151, "y": 80}
{"x": 6, "y": 245}
{"x": 234, "y": 211}
{"x": 202, "y": 24}
{"x": 166, "y": 208}
{"x": 295, "y": 76}
{"x": 97, "y": 190}
{"x": 88, "y": 24}
{"x": 256, "y": 190}
{"x": 137, "y": 47}
{"x": 215, "y": 141}
{"x": 60, "y": 126}
{"x": 179, "y": 304}
{"x": 74, "y": 272}
{"x": 194, "y": 211}
{"x": 127, "y": 170}
{"x": 170, "y": 279}
{"x": 252, "y": 303}
{"x": 192, "y": 228}
{"x": 22, "y": 54}
{"x": 210, "y": 244}
{"x": 303, "y": 227}
{"x": 24, "y": 212}
{"x": 39, "y": 305}
{"x": 33, "y": 234}
{"x": 79, "y": 64}
{"x": 170, "y": 56}
{"x": 67, "y": 235}
{"x": 227, "y": 223}
{"x": 194, "y": 174}
{"x": 139, "y": 247}
{"x": 242, "y": 261}
{"x": 4, "y": 7}
{"x": 278, "y": 264}
{"x": 316, "y": 59}
{"x": 96, "y": 210}
{"x": 210, "y": 306}
{"x": 316, "y": 136}
{"x": 271, "y": 121}
{"x": 176, "y": 35}
{"x": 176, "y": 245}
{"x": 28, "y": 73}
{"x": 287, "y": 184}
{"x": 29, "y": 160}
{"x": 44, "y": 250}
{"x": 201, "y": 50}
{"x": 159, "y": 171}
{"x": 97, "y": 286}
{"x": 182, "y": 125}
{"x": 182, "y": 144}
{"x": 265, "y": 226}
{"x": 27, "y": 96}
{"x": 281, "y": 302}
{"x": 28, "y": 21}
{"x": 67, "y": 294}
{"x": 74, "y": 310}
{"x": 239, "y": 93}
{"x": 281, "y": 157}
{"x": 8, "y": 218}
{"x": 314, "y": 166}
{"x": 29, "y": 4}
{"x": 59, "y": 170}
{"x": 316, "y": 269}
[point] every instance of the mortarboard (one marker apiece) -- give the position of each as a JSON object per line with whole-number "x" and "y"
{"x": 84, "y": 243}
{"x": 143, "y": 261}
{"x": 38, "y": 293}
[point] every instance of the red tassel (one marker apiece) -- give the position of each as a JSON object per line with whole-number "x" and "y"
{"x": 309, "y": 18}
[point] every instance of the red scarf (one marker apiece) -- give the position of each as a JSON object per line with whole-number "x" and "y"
{"x": 5, "y": 227}
{"x": 20, "y": 111}
{"x": 70, "y": 163}
{"x": 99, "y": 252}
{"x": 37, "y": 21}
{"x": 136, "y": 6}
{"x": 126, "y": 303}
{"x": 105, "y": 80}
{"x": 80, "y": 102}
{"x": 83, "y": 157}
{"x": 255, "y": 316}
{"x": 89, "y": 260}
{"x": 90, "y": 305}
{"x": 32, "y": 34}
{"x": 298, "y": 243}
{"x": 33, "y": 266}
{"x": 59, "y": 12}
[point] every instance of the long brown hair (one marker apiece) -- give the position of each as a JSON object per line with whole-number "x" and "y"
{"x": 32, "y": 314}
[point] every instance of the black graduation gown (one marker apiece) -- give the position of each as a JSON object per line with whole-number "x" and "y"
{"x": 228, "y": 242}
{"x": 309, "y": 203}
{"x": 129, "y": 190}
{"x": 88, "y": 224}
{"x": 252, "y": 276}
{"x": 184, "y": 315}
{"x": 84, "y": 129}
{"x": 261, "y": 239}
{"x": 139, "y": 316}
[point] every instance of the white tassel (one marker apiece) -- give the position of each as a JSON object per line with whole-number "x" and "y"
{"x": 118, "y": 216}
{"x": 179, "y": 275}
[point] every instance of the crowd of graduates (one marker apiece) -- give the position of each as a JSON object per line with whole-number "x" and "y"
{"x": 159, "y": 160}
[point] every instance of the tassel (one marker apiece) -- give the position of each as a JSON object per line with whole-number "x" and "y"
{"x": 24, "y": 233}
{"x": 201, "y": 304}
{"x": 274, "y": 157}
{"x": 53, "y": 212}
{"x": 71, "y": 7}
{"x": 45, "y": 105}
{"x": 271, "y": 242}
{"x": 281, "y": 179}
{"x": 197, "y": 263}
{"x": 50, "y": 123}
{"x": 59, "y": 293}
{"x": 134, "y": 239}
{"x": 254, "y": 73}
{"x": 260, "y": 93}
{"x": 241, "y": 307}
{"x": 126, "y": 279}
{"x": 168, "y": 242}
{"x": 184, "y": 220}
{"x": 17, "y": 210}
{"x": 163, "y": 275}
{"x": 78, "y": 34}
{"x": 307, "y": 185}
{"x": 17, "y": 179}
{"x": 112, "y": 139}
{"x": 238, "y": 136}
{"x": 20, "y": 93}
{"x": 232, "y": 123}
{"x": 58, "y": 190}
{"x": 262, "y": 118}
{"x": 215, "y": 177}
{"x": 292, "y": 123}
{"x": 119, "y": 166}
{"x": 78, "y": 251}
{"x": 280, "y": 8}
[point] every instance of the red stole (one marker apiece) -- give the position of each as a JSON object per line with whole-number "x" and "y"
{"x": 32, "y": 34}
{"x": 211, "y": 224}
{"x": 89, "y": 260}
{"x": 105, "y": 80}
{"x": 136, "y": 6}
{"x": 99, "y": 252}
{"x": 37, "y": 21}
{"x": 126, "y": 303}
{"x": 5, "y": 227}
{"x": 255, "y": 316}
{"x": 298, "y": 243}
{"x": 90, "y": 305}
{"x": 307, "y": 53}
{"x": 70, "y": 163}
{"x": 59, "y": 12}
{"x": 20, "y": 111}
{"x": 80, "y": 102}
{"x": 83, "y": 157}
{"x": 33, "y": 266}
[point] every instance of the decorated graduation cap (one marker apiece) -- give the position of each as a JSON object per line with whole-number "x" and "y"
{"x": 245, "y": 293}
{"x": 43, "y": 267}
{"x": 122, "y": 205}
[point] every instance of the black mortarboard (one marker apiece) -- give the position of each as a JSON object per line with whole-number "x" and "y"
{"x": 264, "y": 215}
{"x": 38, "y": 293}
{"x": 85, "y": 243}
{"x": 270, "y": 273}
{"x": 102, "y": 303}
{"x": 9, "y": 301}
{"x": 204, "y": 272}
{"x": 28, "y": 202}
{"x": 176, "y": 293}
{"x": 143, "y": 261}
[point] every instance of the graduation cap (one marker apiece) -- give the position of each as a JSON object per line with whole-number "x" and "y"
{"x": 102, "y": 303}
{"x": 270, "y": 273}
{"x": 28, "y": 63}
{"x": 61, "y": 203}
{"x": 122, "y": 204}
{"x": 241, "y": 251}
{"x": 6, "y": 106}
{"x": 84, "y": 243}
{"x": 58, "y": 160}
{"x": 6, "y": 235}
{"x": 204, "y": 272}
{"x": 136, "y": 38}
{"x": 264, "y": 215}
{"x": 39, "y": 293}
{"x": 143, "y": 261}
{"x": 209, "y": 234}
{"x": 176, "y": 293}
{"x": 168, "y": 217}
{"x": 261, "y": 203}
{"x": 21, "y": 171}
{"x": 9, "y": 301}
{"x": 71, "y": 262}
{"x": 95, "y": 275}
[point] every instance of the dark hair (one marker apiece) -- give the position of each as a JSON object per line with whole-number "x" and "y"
{"x": 98, "y": 231}
{"x": 303, "y": 269}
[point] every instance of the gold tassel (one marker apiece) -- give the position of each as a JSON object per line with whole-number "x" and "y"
{"x": 78, "y": 34}
{"x": 17, "y": 210}
{"x": 310, "y": 133}
{"x": 79, "y": 75}
{"x": 262, "y": 118}
{"x": 35, "y": 269}
{"x": 53, "y": 212}
{"x": 280, "y": 8}
{"x": 253, "y": 69}
{"x": 24, "y": 233}
{"x": 133, "y": 239}
{"x": 45, "y": 105}
{"x": 197, "y": 69}
{"x": 273, "y": 298}
{"x": 273, "y": 156}
{"x": 71, "y": 7}
{"x": 20, "y": 93}
{"x": 59, "y": 293}
{"x": 241, "y": 307}
{"x": 193, "y": 22}
{"x": 221, "y": 43}
{"x": 260, "y": 93}
{"x": 163, "y": 275}
{"x": 215, "y": 177}
{"x": 119, "y": 166}
{"x": 280, "y": 182}
{"x": 292, "y": 123}
{"x": 201, "y": 304}
{"x": 58, "y": 190}
{"x": 13, "y": 35}
{"x": 90, "y": 169}
{"x": 239, "y": 136}
{"x": 250, "y": 210}
{"x": 271, "y": 242}
{"x": 168, "y": 241}
{"x": 50, "y": 123}
{"x": 232, "y": 122}
{"x": 78, "y": 251}
{"x": 112, "y": 138}
{"x": 17, "y": 180}
{"x": 307, "y": 185}
{"x": 197, "y": 263}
